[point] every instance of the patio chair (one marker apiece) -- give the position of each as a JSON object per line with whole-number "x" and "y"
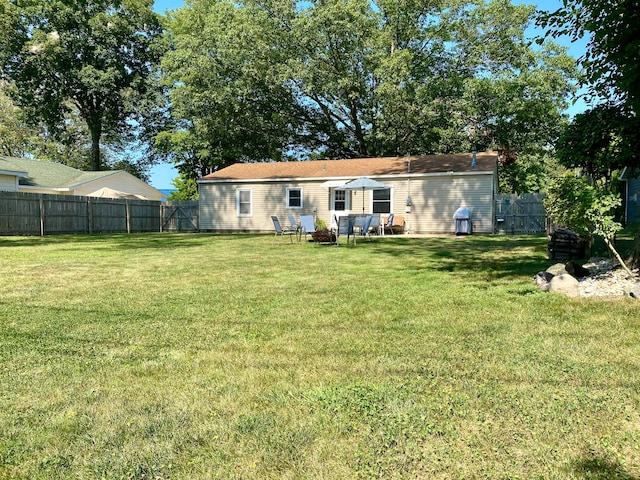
{"x": 292, "y": 220}
{"x": 307, "y": 225}
{"x": 334, "y": 222}
{"x": 388, "y": 227}
{"x": 282, "y": 231}
{"x": 345, "y": 227}
{"x": 364, "y": 230}
{"x": 374, "y": 226}
{"x": 358, "y": 222}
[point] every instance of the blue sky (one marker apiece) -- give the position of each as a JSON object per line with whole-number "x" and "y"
{"x": 162, "y": 175}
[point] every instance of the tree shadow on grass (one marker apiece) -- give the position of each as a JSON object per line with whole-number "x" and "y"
{"x": 600, "y": 469}
{"x": 122, "y": 241}
{"x": 485, "y": 257}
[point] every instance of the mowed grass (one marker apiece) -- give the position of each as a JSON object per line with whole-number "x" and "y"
{"x": 168, "y": 356}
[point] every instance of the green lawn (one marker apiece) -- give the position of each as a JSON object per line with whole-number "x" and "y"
{"x": 168, "y": 356}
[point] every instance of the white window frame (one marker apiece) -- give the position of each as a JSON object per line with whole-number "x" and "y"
{"x": 373, "y": 202}
{"x": 288, "y": 198}
{"x": 239, "y": 192}
{"x": 347, "y": 200}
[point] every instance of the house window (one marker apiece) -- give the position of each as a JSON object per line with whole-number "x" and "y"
{"x": 382, "y": 201}
{"x": 244, "y": 202}
{"x": 340, "y": 200}
{"x": 294, "y": 198}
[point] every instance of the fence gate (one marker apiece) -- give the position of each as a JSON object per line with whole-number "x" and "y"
{"x": 520, "y": 213}
{"x": 180, "y": 216}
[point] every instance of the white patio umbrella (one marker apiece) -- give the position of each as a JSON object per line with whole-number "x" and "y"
{"x": 363, "y": 183}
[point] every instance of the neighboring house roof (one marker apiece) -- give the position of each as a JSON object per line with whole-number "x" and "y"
{"x": 55, "y": 177}
{"x": 50, "y": 174}
{"x": 384, "y": 166}
{"x": 13, "y": 173}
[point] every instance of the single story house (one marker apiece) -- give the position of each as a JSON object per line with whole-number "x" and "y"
{"x": 630, "y": 179}
{"x": 425, "y": 190}
{"x": 34, "y": 176}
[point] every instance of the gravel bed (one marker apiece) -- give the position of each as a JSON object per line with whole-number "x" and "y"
{"x": 606, "y": 279}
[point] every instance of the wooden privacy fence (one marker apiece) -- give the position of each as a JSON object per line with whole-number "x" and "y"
{"x": 522, "y": 213}
{"x": 180, "y": 216}
{"x": 42, "y": 214}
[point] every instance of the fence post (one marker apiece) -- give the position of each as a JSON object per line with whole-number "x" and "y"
{"x": 41, "y": 216}
{"x": 90, "y": 215}
{"x": 127, "y": 215}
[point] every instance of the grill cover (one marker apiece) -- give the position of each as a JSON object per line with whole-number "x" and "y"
{"x": 462, "y": 217}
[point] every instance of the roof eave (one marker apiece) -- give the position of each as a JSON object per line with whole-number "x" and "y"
{"x": 13, "y": 173}
{"x": 345, "y": 178}
{"x": 50, "y": 189}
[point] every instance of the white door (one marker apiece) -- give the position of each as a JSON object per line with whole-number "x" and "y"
{"x": 340, "y": 205}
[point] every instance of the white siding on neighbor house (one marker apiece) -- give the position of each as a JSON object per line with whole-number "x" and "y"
{"x": 8, "y": 183}
{"x": 123, "y": 182}
{"x": 435, "y": 198}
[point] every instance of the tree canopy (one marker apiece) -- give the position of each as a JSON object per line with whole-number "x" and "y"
{"x": 278, "y": 79}
{"x": 604, "y": 139}
{"x": 612, "y": 59}
{"x": 92, "y": 59}
{"x": 600, "y": 142}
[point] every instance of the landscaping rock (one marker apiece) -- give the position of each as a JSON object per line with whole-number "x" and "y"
{"x": 605, "y": 279}
{"x": 565, "y": 284}
{"x": 542, "y": 279}
{"x": 557, "y": 269}
{"x": 576, "y": 270}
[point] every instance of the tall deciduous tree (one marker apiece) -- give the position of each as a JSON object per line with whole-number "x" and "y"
{"x": 14, "y": 133}
{"x": 612, "y": 59}
{"x": 230, "y": 100}
{"x": 612, "y": 71}
{"x": 18, "y": 138}
{"x": 278, "y": 79}
{"x": 600, "y": 142}
{"x": 94, "y": 57}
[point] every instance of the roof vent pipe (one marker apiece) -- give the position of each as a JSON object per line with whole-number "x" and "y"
{"x": 408, "y": 163}
{"x": 473, "y": 159}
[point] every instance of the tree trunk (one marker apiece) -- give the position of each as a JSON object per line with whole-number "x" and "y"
{"x": 96, "y": 133}
{"x": 617, "y": 255}
{"x": 634, "y": 257}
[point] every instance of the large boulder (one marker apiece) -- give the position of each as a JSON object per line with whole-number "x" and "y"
{"x": 635, "y": 291}
{"x": 557, "y": 269}
{"x": 542, "y": 279}
{"x": 565, "y": 284}
{"x": 576, "y": 270}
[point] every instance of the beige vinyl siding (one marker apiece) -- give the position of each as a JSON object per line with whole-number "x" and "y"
{"x": 435, "y": 198}
{"x": 8, "y": 183}
{"x": 218, "y": 205}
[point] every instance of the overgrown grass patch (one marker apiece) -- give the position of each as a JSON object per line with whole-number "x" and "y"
{"x": 202, "y": 356}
